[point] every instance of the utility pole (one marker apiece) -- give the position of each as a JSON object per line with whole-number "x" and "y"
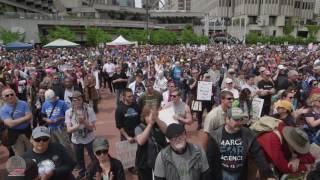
{"x": 147, "y": 14}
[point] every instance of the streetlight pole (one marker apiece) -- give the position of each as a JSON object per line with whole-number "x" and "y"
{"x": 147, "y": 13}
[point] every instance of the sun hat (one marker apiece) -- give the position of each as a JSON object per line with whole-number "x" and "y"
{"x": 297, "y": 139}
{"x": 284, "y": 104}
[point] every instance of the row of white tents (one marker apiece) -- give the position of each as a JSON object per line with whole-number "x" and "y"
{"x": 120, "y": 41}
{"x": 61, "y": 43}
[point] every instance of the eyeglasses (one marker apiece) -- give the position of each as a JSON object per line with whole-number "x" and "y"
{"x": 43, "y": 139}
{"x": 7, "y": 95}
{"x": 229, "y": 99}
{"x": 98, "y": 153}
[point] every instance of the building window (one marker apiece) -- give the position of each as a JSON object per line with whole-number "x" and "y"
{"x": 297, "y": 4}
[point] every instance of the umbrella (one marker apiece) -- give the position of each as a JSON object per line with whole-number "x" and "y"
{"x": 61, "y": 43}
{"x": 18, "y": 46}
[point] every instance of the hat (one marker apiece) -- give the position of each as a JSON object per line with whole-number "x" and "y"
{"x": 75, "y": 94}
{"x": 100, "y": 143}
{"x": 236, "y": 113}
{"x": 297, "y": 139}
{"x": 281, "y": 67}
{"x": 174, "y": 130}
{"x": 40, "y": 131}
{"x": 231, "y": 70}
{"x": 49, "y": 94}
{"x": 228, "y": 80}
{"x": 284, "y": 104}
{"x": 316, "y": 68}
{"x": 261, "y": 69}
{"x": 292, "y": 73}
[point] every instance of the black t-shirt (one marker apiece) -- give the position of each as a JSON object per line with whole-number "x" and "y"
{"x": 231, "y": 149}
{"x": 127, "y": 117}
{"x": 266, "y": 85}
{"x": 119, "y": 85}
{"x": 59, "y": 156}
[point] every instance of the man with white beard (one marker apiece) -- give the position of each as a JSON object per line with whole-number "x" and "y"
{"x": 181, "y": 160}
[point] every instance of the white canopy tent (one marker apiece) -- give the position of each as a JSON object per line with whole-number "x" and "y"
{"x": 119, "y": 41}
{"x": 61, "y": 43}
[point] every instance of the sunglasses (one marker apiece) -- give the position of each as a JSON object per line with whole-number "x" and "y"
{"x": 230, "y": 99}
{"x": 7, "y": 95}
{"x": 43, "y": 139}
{"x": 174, "y": 96}
{"x": 98, "y": 153}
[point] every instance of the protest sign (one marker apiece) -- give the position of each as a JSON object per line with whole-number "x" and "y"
{"x": 257, "y": 105}
{"x": 126, "y": 153}
{"x": 204, "y": 91}
{"x": 166, "y": 115}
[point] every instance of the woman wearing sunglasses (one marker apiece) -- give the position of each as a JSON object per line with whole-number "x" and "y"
{"x": 80, "y": 120}
{"x": 104, "y": 167}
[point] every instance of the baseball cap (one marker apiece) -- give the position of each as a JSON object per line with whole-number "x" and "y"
{"x": 284, "y": 104}
{"x": 40, "y": 131}
{"x": 100, "y": 143}
{"x": 236, "y": 113}
{"x": 174, "y": 130}
{"x": 228, "y": 80}
{"x": 281, "y": 67}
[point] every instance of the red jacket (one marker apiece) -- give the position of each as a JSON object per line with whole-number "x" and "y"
{"x": 279, "y": 154}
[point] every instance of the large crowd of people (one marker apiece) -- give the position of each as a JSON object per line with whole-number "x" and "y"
{"x": 50, "y": 98}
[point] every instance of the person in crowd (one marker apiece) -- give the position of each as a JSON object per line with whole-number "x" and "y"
{"x": 284, "y": 109}
{"x": 312, "y": 118}
{"x": 52, "y": 158}
{"x": 151, "y": 97}
{"x": 127, "y": 118}
{"x": 250, "y": 85}
{"x": 230, "y": 87}
{"x": 104, "y": 166}
{"x": 182, "y": 110}
{"x": 80, "y": 121}
{"x": 216, "y": 117}
{"x": 53, "y": 113}
{"x": 58, "y": 86}
{"x": 69, "y": 88}
{"x": 38, "y": 106}
{"x": 176, "y": 74}
{"x": 167, "y": 94}
{"x": 150, "y": 138}
{"x": 16, "y": 115}
{"x": 160, "y": 83}
{"x": 287, "y": 149}
{"x": 181, "y": 160}
{"x": 266, "y": 90}
{"x": 19, "y": 85}
{"x": 281, "y": 78}
{"x": 119, "y": 81}
{"x": 245, "y": 101}
{"x": 236, "y": 144}
{"x": 137, "y": 86}
{"x": 109, "y": 69}
{"x": 230, "y": 75}
{"x": 90, "y": 93}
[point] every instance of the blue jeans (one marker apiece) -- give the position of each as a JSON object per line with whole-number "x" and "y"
{"x": 230, "y": 176}
{"x": 118, "y": 95}
{"x": 79, "y": 150}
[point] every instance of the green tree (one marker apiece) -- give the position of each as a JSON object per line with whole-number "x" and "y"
{"x": 288, "y": 29}
{"x": 312, "y": 29}
{"x": 163, "y": 36}
{"x": 203, "y": 40}
{"x": 7, "y": 36}
{"x": 187, "y": 36}
{"x": 62, "y": 32}
{"x": 96, "y": 36}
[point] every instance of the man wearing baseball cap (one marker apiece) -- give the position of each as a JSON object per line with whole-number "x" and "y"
{"x": 59, "y": 164}
{"x": 235, "y": 144}
{"x": 181, "y": 160}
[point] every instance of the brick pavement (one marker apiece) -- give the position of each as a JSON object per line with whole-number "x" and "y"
{"x": 106, "y": 127}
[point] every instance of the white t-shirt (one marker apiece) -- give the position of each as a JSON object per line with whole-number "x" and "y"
{"x": 81, "y": 136}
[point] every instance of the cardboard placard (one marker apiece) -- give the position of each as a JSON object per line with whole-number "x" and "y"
{"x": 257, "y": 105}
{"x": 204, "y": 91}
